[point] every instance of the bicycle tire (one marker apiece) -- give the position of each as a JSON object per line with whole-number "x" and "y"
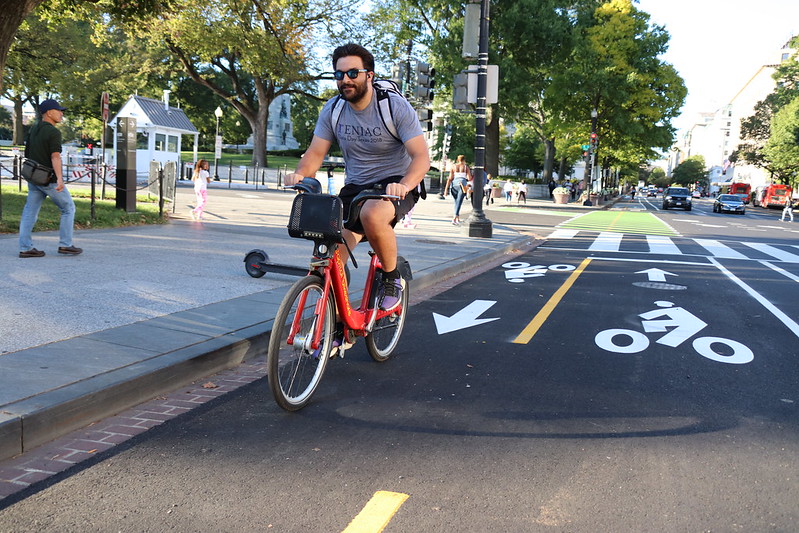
{"x": 384, "y": 337}
{"x": 295, "y": 370}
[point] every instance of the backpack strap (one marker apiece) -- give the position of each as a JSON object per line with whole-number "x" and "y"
{"x": 338, "y": 107}
{"x": 384, "y": 107}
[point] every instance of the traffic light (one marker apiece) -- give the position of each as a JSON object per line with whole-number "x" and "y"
{"x": 594, "y": 141}
{"x": 424, "y": 76}
{"x": 399, "y": 75}
{"x": 460, "y": 92}
{"x": 425, "y": 118}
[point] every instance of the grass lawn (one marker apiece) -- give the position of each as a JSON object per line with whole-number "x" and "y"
{"x": 106, "y": 213}
{"x": 243, "y": 160}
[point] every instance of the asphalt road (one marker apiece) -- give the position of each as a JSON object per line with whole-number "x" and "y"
{"x": 557, "y": 406}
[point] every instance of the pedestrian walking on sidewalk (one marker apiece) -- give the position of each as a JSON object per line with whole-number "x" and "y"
{"x": 489, "y": 189}
{"x": 43, "y": 146}
{"x": 458, "y": 184}
{"x": 788, "y": 211}
{"x": 201, "y": 179}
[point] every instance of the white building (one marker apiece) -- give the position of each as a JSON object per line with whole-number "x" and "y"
{"x": 159, "y": 128}
{"x": 717, "y": 135}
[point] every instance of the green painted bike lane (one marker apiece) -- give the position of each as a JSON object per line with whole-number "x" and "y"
{"x": 620, "y": 222}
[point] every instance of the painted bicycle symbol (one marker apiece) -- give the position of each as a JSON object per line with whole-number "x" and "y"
{"x": 519, "y": 270}
{"x": 684, "y": 325}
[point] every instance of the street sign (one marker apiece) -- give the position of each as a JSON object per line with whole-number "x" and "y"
{"x": 586, "y": 147}
{"x": 104, "y": 106}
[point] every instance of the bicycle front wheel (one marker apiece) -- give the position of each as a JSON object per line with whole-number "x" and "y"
{"x": 383, "y": 338}
{"x": 294, "y": 366}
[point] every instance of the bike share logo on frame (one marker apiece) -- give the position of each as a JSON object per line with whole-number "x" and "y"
{"x": 519, "y": 270}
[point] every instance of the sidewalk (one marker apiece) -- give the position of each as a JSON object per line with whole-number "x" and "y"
{"x": 145, "y": 310}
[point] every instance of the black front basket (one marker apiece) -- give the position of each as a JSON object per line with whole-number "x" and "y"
{"x": 316, "y": 217}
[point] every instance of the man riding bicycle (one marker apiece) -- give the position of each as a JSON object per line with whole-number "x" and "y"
{"x": 373, "y": 157}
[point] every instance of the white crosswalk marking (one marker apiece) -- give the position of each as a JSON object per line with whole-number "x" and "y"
{"x": 611, "y": 241}
{"x": 774, "y": 252}
{"x": 659, "y": 244}
{"x": 607, "y": 241}
{"x": 563, "y": 234}
{"x": 719, "y": 250}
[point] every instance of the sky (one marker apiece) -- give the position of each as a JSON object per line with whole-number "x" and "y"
{"x": 718, "y": 45}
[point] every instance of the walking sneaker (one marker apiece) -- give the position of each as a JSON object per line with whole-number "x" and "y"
{"x": 390, "y": 293}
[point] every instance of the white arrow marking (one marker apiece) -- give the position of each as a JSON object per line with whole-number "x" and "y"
{"x": 655, "y": 274}
{"x": 465, "y": 318}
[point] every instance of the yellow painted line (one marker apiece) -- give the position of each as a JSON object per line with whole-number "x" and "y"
{"x": 532, "y": 328}
{"x": 615, "y": 220}
{"x": 377, "y": 513}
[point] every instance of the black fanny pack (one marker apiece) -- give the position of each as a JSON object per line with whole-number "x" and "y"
{"x": 37, "y": 174}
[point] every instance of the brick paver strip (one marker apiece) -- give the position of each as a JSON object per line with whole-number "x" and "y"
{"x": 18, "y": 473}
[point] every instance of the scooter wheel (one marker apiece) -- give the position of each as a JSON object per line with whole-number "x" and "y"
{"x": 254, "y": 264}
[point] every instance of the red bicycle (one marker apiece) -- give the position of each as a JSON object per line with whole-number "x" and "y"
{"x": 316, "y": 320}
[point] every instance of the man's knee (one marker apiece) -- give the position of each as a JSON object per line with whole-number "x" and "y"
{"x": 377, "y": 213}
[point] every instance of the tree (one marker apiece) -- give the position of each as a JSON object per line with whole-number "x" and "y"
{"x": 525, "y": 151}
{"x": 262, "y": 50}
{"x": 15, "y": 11}
{"x": 690, "y": 171}
{"x": 756, "y": 130}
{"x": 782, "y": 147}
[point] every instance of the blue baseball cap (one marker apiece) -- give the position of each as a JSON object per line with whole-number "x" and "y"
{"x": 49, "y": 104}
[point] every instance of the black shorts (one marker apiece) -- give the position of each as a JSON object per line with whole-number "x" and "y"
{"x": 401, "y": 207}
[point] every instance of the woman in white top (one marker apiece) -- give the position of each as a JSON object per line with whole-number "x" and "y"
{"x": 458, "y": 184}
{"x": 201, "y": 179}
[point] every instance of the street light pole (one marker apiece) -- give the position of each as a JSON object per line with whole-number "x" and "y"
{"x": 217, "y": 143}
{"x": 589, "y": 177}
{"x": 478, "y": 225}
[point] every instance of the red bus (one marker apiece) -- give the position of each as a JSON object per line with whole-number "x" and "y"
{"x": 741, "y": 189}
{"x": 774, "y": 195}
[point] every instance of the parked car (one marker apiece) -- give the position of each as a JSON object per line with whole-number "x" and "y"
{"x": 677, "y": 197}
{"x": 729, "y": 203}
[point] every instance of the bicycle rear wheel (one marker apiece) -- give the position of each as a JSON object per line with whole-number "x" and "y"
{"x": 383, "y": 338}
{"x": 295, "y": 370}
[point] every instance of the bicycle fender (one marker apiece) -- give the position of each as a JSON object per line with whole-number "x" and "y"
{"x": 404, "y": 268}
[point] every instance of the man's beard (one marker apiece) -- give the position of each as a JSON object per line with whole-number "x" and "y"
{"x": 356, "y": 95}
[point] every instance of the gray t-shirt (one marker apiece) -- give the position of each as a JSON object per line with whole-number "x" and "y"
{"x": 370, "y": 152}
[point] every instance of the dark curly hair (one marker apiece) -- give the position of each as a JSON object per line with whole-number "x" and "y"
{"x": 352, "y": 49}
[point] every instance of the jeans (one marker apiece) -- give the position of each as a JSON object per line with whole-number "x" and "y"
{"x": 36, "y": 195}
{"x": 458, "y": 194}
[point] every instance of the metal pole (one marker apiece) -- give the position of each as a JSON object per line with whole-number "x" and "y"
{"x": 589, "y": 177}
{"x": 216, "y": 160}
{"x": 478, "y": 225}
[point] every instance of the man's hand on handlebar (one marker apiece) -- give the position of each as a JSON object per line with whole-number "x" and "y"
{"x": 397, "y": 189}
{"x": 291, "y": 179}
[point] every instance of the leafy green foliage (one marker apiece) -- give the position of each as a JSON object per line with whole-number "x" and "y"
{"x": 689, "y": 171}
{"x": 782, "y": 148}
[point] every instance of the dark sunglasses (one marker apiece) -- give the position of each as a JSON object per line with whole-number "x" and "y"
{"x": 352, "y": 73}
